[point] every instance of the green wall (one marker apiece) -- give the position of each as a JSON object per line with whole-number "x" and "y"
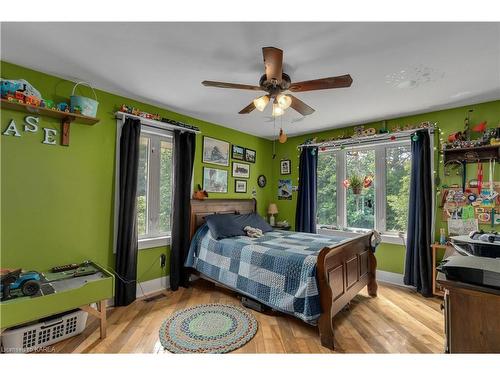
{"x": 390, "y": 257}
{"x": 57, "y": 202}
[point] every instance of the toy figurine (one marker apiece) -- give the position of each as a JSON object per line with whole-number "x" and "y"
{"x": 200, "y": 194}
{"x": 479, "y": 128}
{"x": 77, "y": 109}
{"x": 25, "y": 284}
{"x": 63, "y": 107}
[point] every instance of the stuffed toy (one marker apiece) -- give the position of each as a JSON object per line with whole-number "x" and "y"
{"x": 200, "y": 194}
{"x": 253, "y": 232}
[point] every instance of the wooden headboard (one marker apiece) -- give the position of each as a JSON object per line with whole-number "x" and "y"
{"x": 201, "y": 209}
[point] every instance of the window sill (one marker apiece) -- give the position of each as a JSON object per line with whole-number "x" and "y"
{"x": 386, "y": 238}
{"x": 147, "y": 243}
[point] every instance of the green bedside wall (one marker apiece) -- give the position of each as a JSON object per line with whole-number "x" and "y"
{"x": 57, "y": 202}
{"x": 390, "y": 257}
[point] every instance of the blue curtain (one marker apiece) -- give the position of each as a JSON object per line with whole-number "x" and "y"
{"x": 305, "y": 216}
{"x": 418, "y": 264}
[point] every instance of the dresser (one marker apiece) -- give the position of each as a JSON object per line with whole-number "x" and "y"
{"x": 472, "y": 317}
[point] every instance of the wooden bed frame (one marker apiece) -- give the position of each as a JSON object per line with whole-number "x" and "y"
{"x": 342, "y": 270}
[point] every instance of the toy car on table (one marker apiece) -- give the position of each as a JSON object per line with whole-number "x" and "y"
{"x": 18, "y": 282}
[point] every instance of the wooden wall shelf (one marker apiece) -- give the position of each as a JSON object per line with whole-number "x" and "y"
{"x": 472, "y": 154}
{"x": 66, "y": 117}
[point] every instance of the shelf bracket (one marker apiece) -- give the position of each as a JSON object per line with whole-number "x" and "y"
{"x": 65, "y": 123}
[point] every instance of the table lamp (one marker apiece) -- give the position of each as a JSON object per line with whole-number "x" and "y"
{"x": 272, "y": 210}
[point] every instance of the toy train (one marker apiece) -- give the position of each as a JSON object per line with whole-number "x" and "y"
{"x": 16, "y": 92}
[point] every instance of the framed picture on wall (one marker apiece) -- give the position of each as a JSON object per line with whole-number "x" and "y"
{"x": 215, "y": 151}
{"x": 240, "y": 186}
{"x": 214, "y": 180}
{"x": 285, "y": 189}
{"x": 250, "y": 155}
{"x": 286, "y": 166}
{"x": 241, "y": 170}
{"x": 238, "y": 152}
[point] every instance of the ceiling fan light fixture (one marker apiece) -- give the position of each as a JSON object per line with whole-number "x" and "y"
{"x": 284, "y": 101}
{"x": 277, "y": 110}
{"x": 261, "y": 102}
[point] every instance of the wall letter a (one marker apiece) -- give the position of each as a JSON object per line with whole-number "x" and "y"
{"x": 11, "y": 129}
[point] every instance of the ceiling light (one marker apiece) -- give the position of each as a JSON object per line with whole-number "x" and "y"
{"x": 284, "y": 101}
{"x": 261, "y": 103}
{"x": 277, "y": 110}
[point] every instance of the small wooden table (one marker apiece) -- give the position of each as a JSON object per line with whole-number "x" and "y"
{"x": 436, "y": 289}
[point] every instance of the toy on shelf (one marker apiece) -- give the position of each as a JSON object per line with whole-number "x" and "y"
{"x": 137, "y": 112}
{"x": 20, "y": 91}
{"x": 18, "y": 283}
{"x": 200, "y": 194}
{"x": 76, "y": 109}
{"x": 63, "y": 107}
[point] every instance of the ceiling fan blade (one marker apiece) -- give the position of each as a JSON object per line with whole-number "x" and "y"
{"x": 322, "y": 83}
{"x": 249, "y": 108}
{"x": 225, "y": 85}
{"x": 300, "y": 106}
{"x": 273, "y": 63}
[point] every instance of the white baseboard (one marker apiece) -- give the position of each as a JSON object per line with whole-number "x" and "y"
{"x": 152, "y": 286}
{"x": 390, "y": 278}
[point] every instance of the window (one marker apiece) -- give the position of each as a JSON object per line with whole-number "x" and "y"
{"x": 383, "y": 205}
{"x": 360, "y": 210}
{"x": 154, "y": 187}
{"x": 398, "y": 161}
{"x": 327, "y": 188}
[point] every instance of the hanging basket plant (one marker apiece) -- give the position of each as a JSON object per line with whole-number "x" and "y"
{"x": 355, "y": 183}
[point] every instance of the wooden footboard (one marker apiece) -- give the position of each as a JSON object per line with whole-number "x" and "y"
{"x": 342, "y": 272}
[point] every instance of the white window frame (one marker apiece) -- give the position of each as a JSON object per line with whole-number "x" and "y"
{"x": 163, "y": 239}
{"x": 380, "y": 192}
{"x": 153, "y": 236}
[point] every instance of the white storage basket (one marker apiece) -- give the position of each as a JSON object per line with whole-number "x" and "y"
{"x": 32, "y": 337}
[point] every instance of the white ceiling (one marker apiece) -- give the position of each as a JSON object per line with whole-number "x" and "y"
{"x": 164, "y": 64}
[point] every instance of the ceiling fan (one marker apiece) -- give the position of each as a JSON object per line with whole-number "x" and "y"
{"x": 275, "y": 82}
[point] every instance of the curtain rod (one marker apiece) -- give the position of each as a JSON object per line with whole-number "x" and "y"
{"x": 158, "y": 124}
{"x": 367, "y": 139}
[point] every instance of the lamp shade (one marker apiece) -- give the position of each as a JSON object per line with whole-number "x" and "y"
{"x": 272, "y": 209}
{"x": 261, "y": 102}
{"x": 284, "y": 101}
{"x": 277, "y": 110}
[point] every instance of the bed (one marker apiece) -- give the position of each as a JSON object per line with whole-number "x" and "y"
{"x": 309, "y": 276}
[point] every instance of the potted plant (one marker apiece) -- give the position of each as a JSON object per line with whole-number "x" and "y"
{"x": 356, "y": 184}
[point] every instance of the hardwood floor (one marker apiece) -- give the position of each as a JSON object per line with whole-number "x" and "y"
{"x": 397, "y": 321}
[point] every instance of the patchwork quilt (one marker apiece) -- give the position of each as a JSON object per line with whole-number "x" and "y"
{"x": 278, "y": 269}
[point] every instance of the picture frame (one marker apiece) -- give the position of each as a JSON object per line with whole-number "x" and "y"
{"x": 240, "y": 186}
{"x": 285, "y": 189}
{"x": 240, "y": 170}
{"x": 215, "y": 151}
{"x": 250, "y": 155}
{"x": 214, "y": 180}
{"x": 286, "y": 166}
{"x": 238, "y": 152}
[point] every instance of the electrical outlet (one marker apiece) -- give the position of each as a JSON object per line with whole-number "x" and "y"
{"x": 163, "y": 260}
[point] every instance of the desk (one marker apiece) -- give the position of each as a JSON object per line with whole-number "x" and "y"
{"x": 79, "y": 292}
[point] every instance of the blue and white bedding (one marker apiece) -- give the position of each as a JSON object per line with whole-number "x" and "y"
{"x": 278, "y": 269}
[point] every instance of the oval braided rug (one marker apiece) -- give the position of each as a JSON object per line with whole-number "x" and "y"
{"x": 209, "y": 328}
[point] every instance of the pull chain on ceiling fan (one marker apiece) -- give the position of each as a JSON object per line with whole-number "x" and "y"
{"x": 275, "y": 82}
